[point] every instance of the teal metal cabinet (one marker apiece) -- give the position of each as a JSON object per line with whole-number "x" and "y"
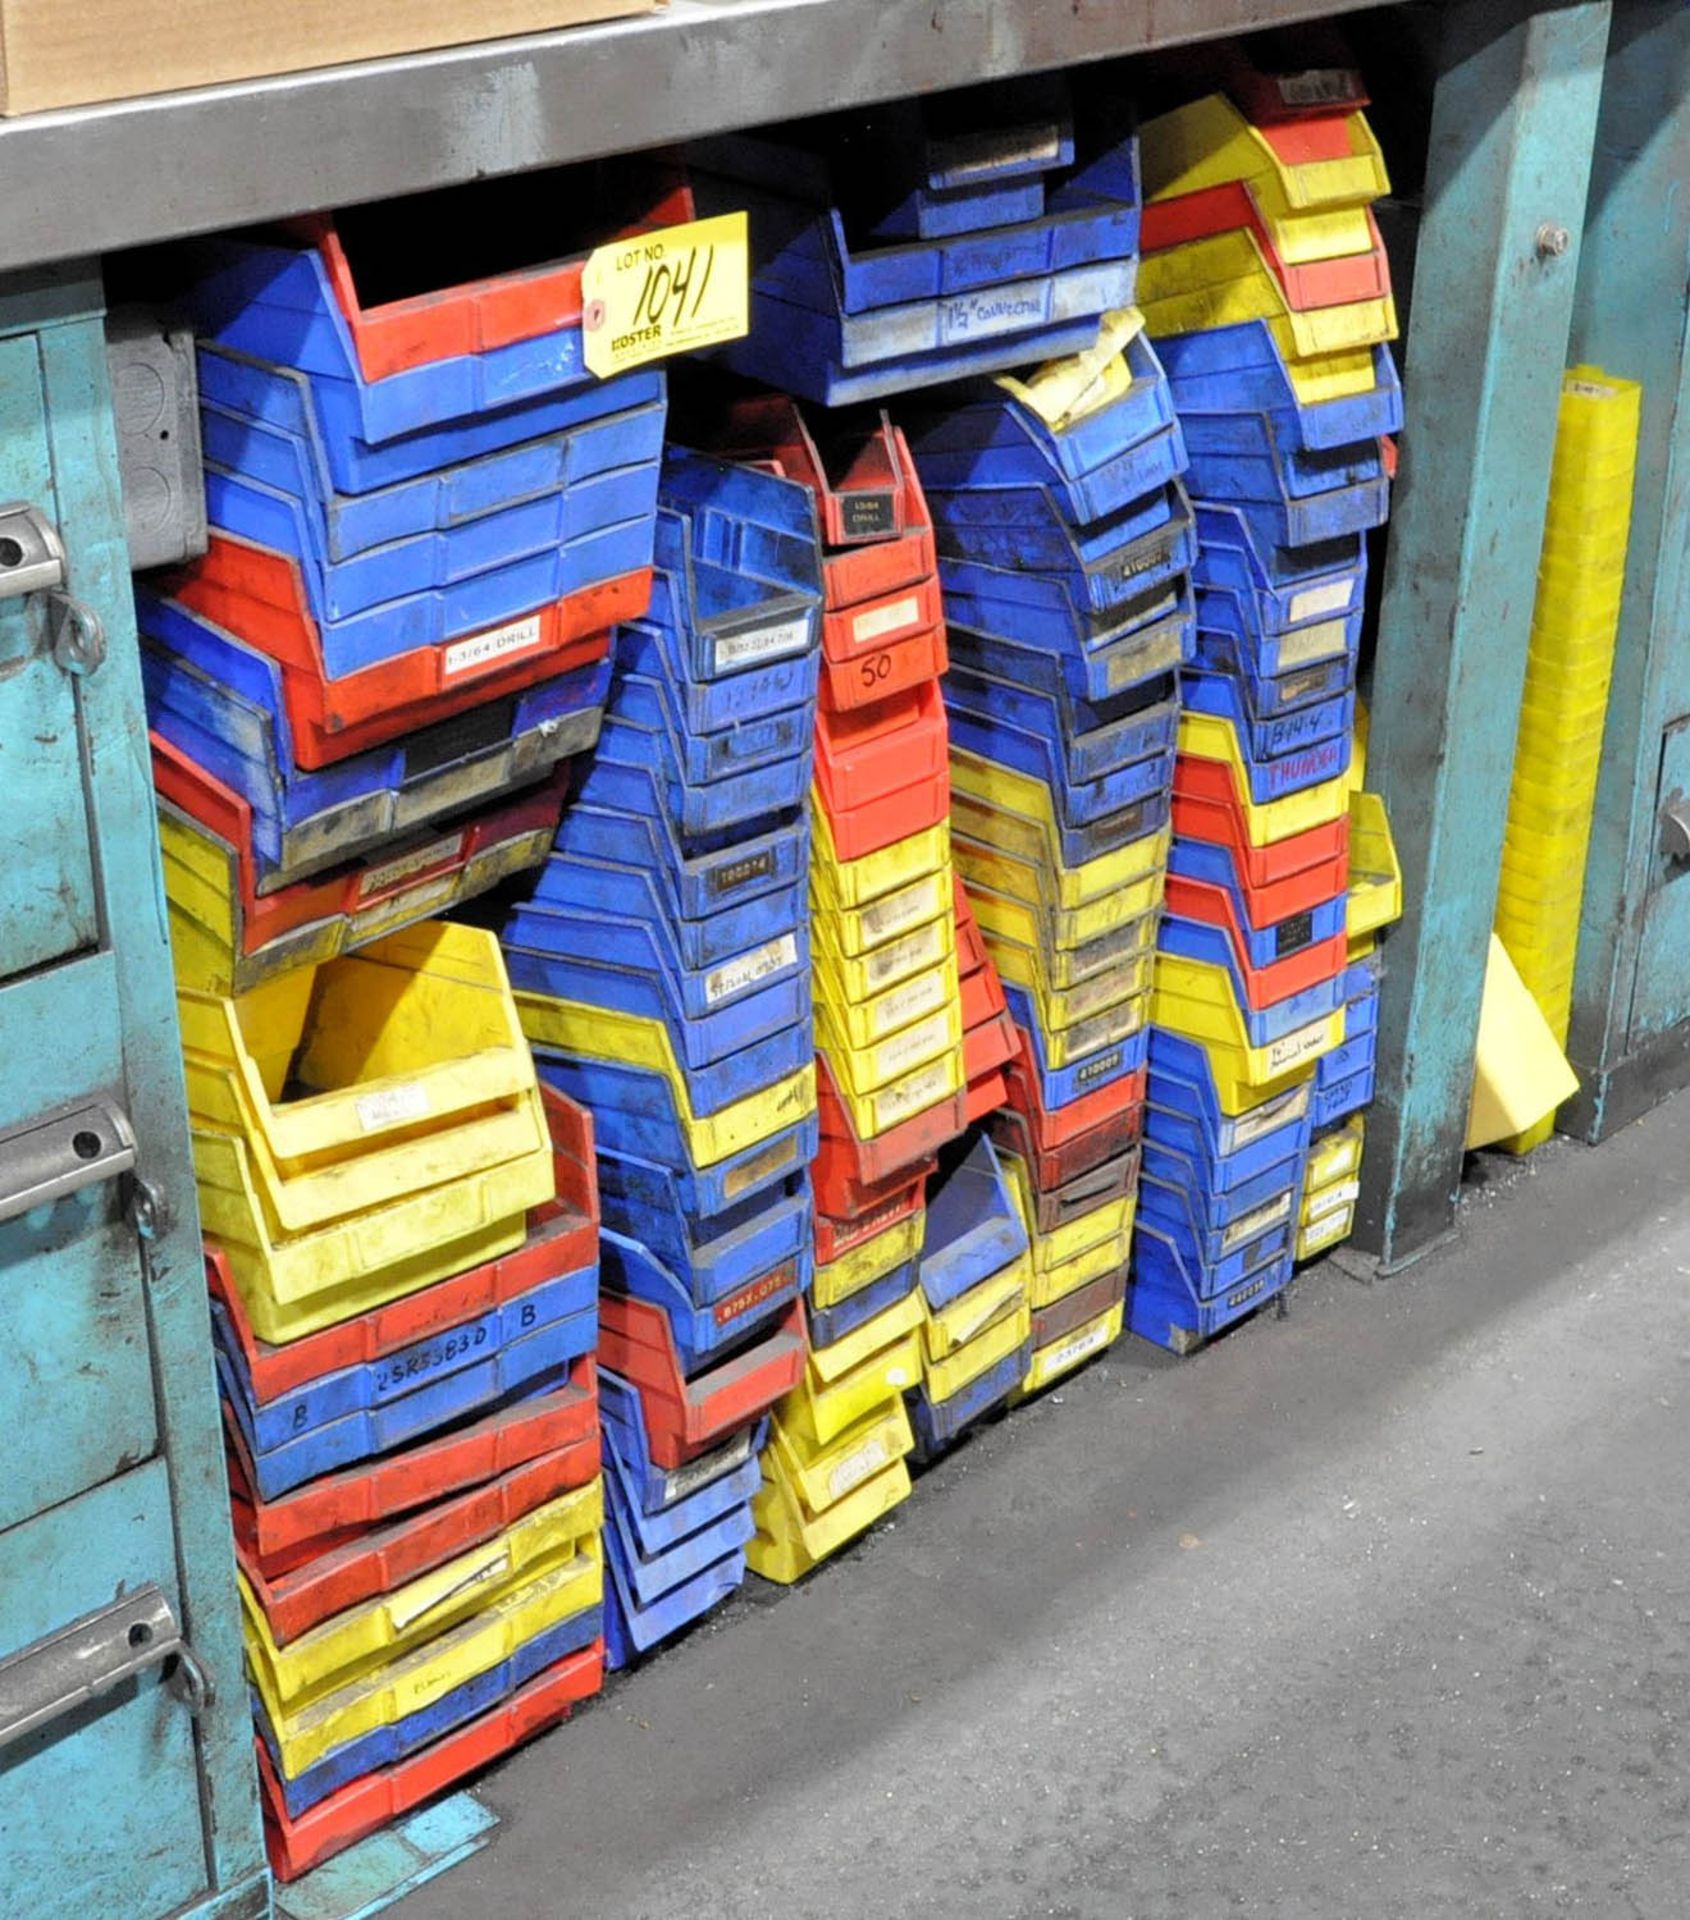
{"x": 126, "y": 1781}
{"x": 1631, "y": 996}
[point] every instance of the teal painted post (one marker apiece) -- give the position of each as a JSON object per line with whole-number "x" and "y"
{"x": 1513, "y": 122}
{"x": 1631, "y": 993}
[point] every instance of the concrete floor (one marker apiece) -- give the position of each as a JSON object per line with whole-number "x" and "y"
{"x": 1381, "y": 1609}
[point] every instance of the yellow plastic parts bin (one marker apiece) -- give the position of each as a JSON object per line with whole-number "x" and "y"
{"x": 601, "y": 1033}
{"x": 1328, "y": 1230}
{"x": 863, "y": 1071}
{"x": 1209, "y": 143}
{"x": 1061, "y": 1357}
{"x": 865, "y": 1024}
{"x": 877, "y": 1112}
{"x": 1054, "y": 929}
{"x": 888, "y": 916}
{"x": 1086, "y": 999}
{"x": 450, "y": 1660}
{"x": 1056, "y": 1282}
{"x": 379, "y": 1630}
{"x": 1375, "y": 890}
{"x": 861, "y": 977}
{"x": 871, "y": 1260}
{"x": 986, "y": 833}
{"x": 993, "y": 1344}
{"x": 1520, "y": 1074}
{"x": 1225, "y": 278}
{"x": 882, "y": 1360}
{"x": 1334, "y": 1156}
{"x": 401, "y": 1038}
{"x": 1558, "y": 748}
{"x": 822, "y": 1476}
{"x": 1195, "y": 998}
{"x": 852, "y": 883}
{"x": 295, "y": 1284}
{"x": 1033, "y": 873}
{"x": 792, "y": 1538}
{"x": 366, "y": 1128}
{"x": 208, "y": 937}
{"x": 950, "y": 1329}
{"x": 1331, "y": 1187}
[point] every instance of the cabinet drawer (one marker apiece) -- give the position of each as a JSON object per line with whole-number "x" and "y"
{"x": 76, "y": 1377}
{"x": 100, "y": 1809}
{"x": 47, "y": 874}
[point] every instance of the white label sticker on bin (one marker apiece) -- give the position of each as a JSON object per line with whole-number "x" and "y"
{"x": 415, "y": 903}
{"x": 1324, "y": 1232}
{"x": 1277, "y": 1112}
{"x": 919, "y": 949}
{"x": 911, "y": 1001}
{"x": 392, "y": 1106}
{"x": 1320, "y": 642}
{"x": 1311, "y": 602}
{"x": 878, "y": 621}
{"x": 762, "y": 963}
{"x": 913, "y": 1044}
{"x": 678, "y": 1482}
{"x": 918, "y": 901}
{"x": 1248, "y": 1226}
{"x": 1318, "y": 87}
{"x": 985, "y": 151}
{"x": 763, "y": 643}
{"x": 480, "y": 648}
{"x": 915, "y": 1095}
{"x": 1094, "y": 1337}
{"x": 1332, "y": 1198}
{"x": 406, "y": 866}
{"x": 857, "y": 1467}
{"x": 1297, "y": 1046}
{"x": 1004, "y": 308}
{"x": 1131, "y": 661}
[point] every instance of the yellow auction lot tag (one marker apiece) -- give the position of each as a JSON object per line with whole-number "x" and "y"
{"x": 667, "y": 292}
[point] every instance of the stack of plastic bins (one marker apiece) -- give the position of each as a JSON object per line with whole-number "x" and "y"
{"x": 975, "y": 1293}
{"x": 889, "y": 1032}
{"x": 404, "y": 1311}
{"x": 426, "y": 515}
{"x": 901, "y": 245}
{"x": 888, "y": 1014}
{"x": 1267, "y": 286}
{"x": 989, "y": 1040}
{"x": 1558, "y": 749}
{"x": 1065, "y": 539}
{"x": 662, "y": 968}
{"x": 1344, "y": 1078}
{"x": 1251, "y": 981}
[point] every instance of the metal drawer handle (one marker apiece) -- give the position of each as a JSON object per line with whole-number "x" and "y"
{"x": 32, "y": 560}
{"x": 32, "y": 556}
{"x": 81, "y": 1661}
{"x": 63, "y": 1153}
{"x": 1675, "y": 829}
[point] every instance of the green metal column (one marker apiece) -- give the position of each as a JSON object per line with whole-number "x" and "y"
{"x": 1513, "y": 123}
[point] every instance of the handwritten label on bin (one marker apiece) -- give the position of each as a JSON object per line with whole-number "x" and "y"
{"x": 668, "y": 292}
